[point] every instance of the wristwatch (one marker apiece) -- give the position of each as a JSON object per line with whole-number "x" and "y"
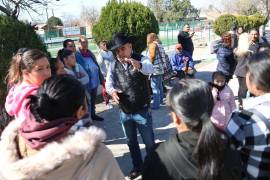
{"x": 140, "y": 65}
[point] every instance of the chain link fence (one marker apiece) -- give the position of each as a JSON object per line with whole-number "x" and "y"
{"x": 168, "y": 36}
{"x": 204, "y": 32}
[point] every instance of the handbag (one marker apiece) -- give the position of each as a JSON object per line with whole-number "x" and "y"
{"x": 167, "y": 67}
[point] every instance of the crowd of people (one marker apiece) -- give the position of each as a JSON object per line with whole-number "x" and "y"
{"x": 52, "y": 101}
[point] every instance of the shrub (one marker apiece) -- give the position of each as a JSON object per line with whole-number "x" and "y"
{"x": 244, "y": 22}
{"x": 131, "y": 18}
{"x": 224, "y": 23}
{"x": 14, "y": 35}
{"x": 256, "y": 20}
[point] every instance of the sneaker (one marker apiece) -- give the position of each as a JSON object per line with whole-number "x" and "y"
{"x": 97, "y": 118}
{"x": 241, "y": 108}
{"x": 109, "y": 106}
{"x": 162, "y": 103}
{"x": 134, "y": 174}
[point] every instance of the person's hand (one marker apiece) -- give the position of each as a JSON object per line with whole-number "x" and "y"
{"x": 214, "y": 93}
{"x": 186, "y": 58}
{"x": 136, "y": 64}
{"x": 115, "y": 97}
{"x": 81, "y": 74}
{"x": 192, "y": 34}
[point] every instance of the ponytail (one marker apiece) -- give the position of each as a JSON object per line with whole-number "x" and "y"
{"x": 14, "y": 75}
{"x": 192, "y": 100}
{"x": 63, "y": 53}
{"x": 209, "y": 150}
{"x": 24, "y": 59}
{"x": 59, "y": 96}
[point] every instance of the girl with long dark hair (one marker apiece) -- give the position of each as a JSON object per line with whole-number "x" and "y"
{"x": 198, "y": 150}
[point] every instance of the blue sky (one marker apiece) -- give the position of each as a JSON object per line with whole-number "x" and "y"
{"x": 69, "y": 8}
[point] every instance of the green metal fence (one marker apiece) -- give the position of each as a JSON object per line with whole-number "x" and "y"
{"x": 53, "y": 47}
{"x": 167, "y": 34}
{"x": 169, "y": 31}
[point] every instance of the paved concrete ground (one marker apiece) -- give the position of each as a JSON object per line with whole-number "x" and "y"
{"x": 162, "y": 125}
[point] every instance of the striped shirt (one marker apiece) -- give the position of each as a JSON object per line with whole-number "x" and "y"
{"x": 249, "y": 132}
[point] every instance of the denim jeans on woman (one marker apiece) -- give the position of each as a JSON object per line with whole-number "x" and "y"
{"x": 157, "y": 89}
{"x": 142, "y": 121}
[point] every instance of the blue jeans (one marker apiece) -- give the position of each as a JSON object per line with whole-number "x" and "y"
{"x": 142, "y": 121}
{"x": 157, "y": 89}
{"x": 93, "y": 95}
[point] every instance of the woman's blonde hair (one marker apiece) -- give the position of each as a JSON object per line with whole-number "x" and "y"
{"x": 243, "y": 45}
{"x": 152, "y": 37}
{"x": 21, "y": 62}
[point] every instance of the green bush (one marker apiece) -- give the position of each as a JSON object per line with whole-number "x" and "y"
{"x": 255, "y": 21}
{"x": 131, "y": 18}
{"x": 224, "y": 23}
{"x": 243, "y": 21}
{"x": 14, "y": 35}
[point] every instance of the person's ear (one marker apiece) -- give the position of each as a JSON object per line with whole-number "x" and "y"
{"x": 177, "y": 121}
{"x": 25, "y": 73}
{"x": 80, "y": 112}
{"x": 251, "y": 86}
{"x": 130, "y": 45}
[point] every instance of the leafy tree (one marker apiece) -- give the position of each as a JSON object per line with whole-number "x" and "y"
{"x": 54, "y": 21}
{"x": 131, "y": 18}
{"x": 14, "y": 34}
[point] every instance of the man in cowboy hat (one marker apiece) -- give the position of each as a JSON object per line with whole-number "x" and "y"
{"x": 127, "y": 83}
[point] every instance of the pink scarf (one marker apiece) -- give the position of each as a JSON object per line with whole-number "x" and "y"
{"x": 86, "y": 53}
{"x": 38, "y": 134}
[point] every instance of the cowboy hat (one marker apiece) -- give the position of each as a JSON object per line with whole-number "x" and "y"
{"x": 118, "y": 40}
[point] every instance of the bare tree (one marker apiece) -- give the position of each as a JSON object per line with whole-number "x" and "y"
{"x": 245, "y": 7}
{"x": 70, "y": 20}
{"x": 264, "y": 6}
{"x": 13, "y": 8}
{"x": 89, "y": 15}
{"x": 159, "y": 8}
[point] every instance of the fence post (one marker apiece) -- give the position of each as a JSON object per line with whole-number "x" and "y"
{"x": 167, "y": 35}
{"x": 172, "y": 41}
{"x": 209, "y": 32}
